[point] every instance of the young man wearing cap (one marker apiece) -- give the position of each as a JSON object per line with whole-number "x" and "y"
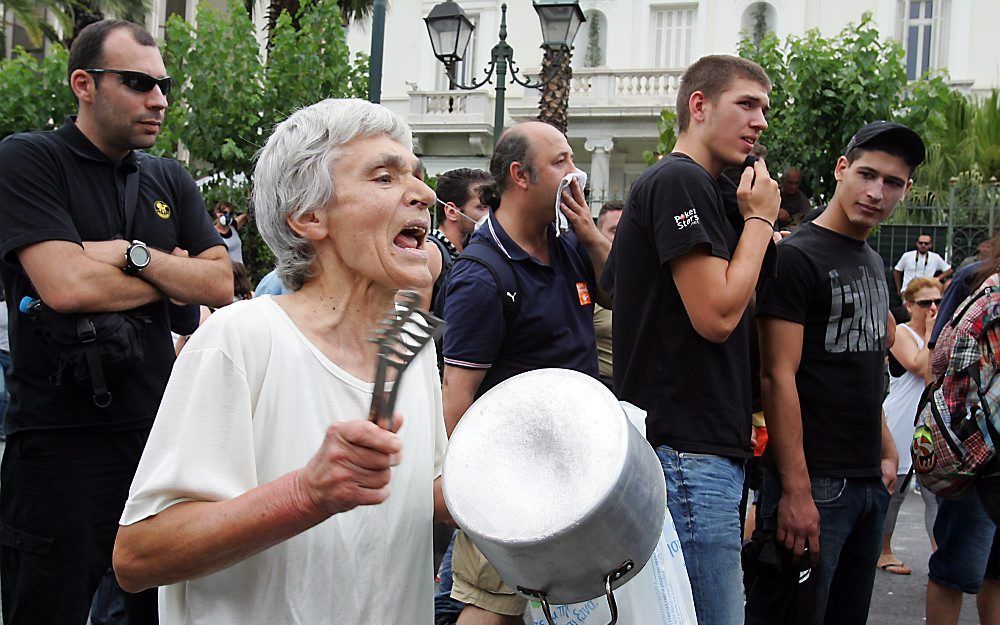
{"x": 831, "y": 462}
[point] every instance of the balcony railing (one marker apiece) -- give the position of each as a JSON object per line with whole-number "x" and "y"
{"x": 452, "y": 107}
{"x": 624, "y": 88}
{"x": 593, "y": 91}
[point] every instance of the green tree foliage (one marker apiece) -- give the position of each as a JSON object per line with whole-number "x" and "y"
{"x": 594, "y": 56}
{"x": 667, "y": 127}
{"x": 35, "y": 93}
{"x": 825, "y": 88}
{"x": 231, "y": 96}
{"x": 963, "y": 152}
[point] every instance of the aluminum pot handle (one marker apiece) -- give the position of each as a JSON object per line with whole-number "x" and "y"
{"x": 611, "y": 577}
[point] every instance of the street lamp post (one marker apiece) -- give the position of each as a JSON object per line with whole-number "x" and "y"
{"x": 375, "y": 58}
{"x": 450, "y": 31}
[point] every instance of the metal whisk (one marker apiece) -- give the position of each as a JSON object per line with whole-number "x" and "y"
{"x": 400, "y": 337}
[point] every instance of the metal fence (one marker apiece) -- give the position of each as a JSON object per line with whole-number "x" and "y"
{"x": 957, "y": 226}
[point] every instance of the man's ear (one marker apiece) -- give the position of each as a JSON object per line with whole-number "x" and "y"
{"x": 450, "y": 211}
{"x": 82, "y": 84}
{"x": 520, "y": 174}
{"x": 308, "y": 225}
{"x": 697, "y": 106}
{"x": 840, "y": 168}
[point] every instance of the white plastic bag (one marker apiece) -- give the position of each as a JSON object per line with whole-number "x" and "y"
{"x": 660, "y": 594}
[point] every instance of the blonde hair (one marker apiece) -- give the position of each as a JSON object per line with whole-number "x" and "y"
{"x": 917, "y": 284}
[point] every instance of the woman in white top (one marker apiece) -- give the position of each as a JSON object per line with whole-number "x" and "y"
{"x": 909, "y": 363}
{"x": 264, "y": 495}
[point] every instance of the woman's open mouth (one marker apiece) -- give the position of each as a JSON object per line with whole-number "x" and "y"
{"x": 412, "y": 237}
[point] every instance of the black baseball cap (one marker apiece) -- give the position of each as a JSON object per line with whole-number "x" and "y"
{"x": 903, "y": 138}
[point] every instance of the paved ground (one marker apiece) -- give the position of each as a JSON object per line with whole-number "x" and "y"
{"x": 899, "y": 599}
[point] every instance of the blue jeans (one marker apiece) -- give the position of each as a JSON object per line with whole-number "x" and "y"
{"x": 964, "y": 535}
{"x": 444, "y": 605}
{"x": 109, "y": 603}
{"x": 703, "y": 494}
{"x": 851, "y": 518}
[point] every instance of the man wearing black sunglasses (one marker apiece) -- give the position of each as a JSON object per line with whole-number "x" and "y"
{"x": 920, "y": 262}
{"x": 91, "y": 230}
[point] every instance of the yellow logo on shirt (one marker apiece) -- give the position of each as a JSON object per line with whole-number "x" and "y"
{"x": 162, "y": 209}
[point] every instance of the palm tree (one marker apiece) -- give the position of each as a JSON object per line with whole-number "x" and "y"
{"x": 31, "y": 16}
{"x": 71, "y": 16}
{"x": 555, "y": 93}
{"x": 86, "y": 12}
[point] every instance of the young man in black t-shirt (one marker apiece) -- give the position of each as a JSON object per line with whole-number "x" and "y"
{"x": 683, "y": 278}
{"x": 823, "y": 323}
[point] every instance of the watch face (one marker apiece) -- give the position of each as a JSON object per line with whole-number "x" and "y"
{"x": 139, "y": 255}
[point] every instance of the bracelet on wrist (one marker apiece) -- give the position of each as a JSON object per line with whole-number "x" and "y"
{"x": 760, "y": 218}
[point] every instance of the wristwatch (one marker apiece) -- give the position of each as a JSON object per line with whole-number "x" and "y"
{"x": 136, "y": 258}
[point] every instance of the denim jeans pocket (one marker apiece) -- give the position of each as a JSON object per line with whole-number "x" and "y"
{"x": 827, "y": 489}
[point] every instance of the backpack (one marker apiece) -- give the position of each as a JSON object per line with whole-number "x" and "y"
{"x": 90, "y": 348}
{"x": 442, "y": 280}
{"x": 958, "y": 416}
{"x": 508, "y": 287}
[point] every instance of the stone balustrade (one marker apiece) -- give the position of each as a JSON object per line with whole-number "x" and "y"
{"x": 455, "y": 106}
{"x": 600, "y": 86}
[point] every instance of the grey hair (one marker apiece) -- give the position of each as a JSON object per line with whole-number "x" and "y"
{"x": 293, "y": 173}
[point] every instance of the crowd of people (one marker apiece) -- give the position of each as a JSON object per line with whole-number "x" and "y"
{"x": 239, "y": 480}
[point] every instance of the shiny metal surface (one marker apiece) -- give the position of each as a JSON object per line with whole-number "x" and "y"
{"x": 547, "y": 477}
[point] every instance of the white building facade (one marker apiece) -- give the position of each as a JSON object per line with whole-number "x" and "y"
{"x": 627, "y": 64}
{"x": 627, "y": 71}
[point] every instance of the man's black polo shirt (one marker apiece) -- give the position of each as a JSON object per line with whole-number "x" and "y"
{"x": 554, "y": 326}
{"x": 58, "y": 186}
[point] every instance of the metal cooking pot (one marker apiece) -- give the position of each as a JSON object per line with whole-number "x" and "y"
{"x": 547, "y": 477}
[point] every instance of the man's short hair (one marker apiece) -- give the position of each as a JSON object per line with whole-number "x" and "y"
{"x": 712, "y": 75}
{"x": 456, "y": 186}
{"x": 613, "y": 205}
{"x": 87, "y": 51}
{"x": 512, "y": 148}
{"x": 292, "y": 176}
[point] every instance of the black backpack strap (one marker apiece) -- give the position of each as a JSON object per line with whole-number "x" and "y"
{"x": 446, "y": 261}
{"x": 499, "y": 266}
{"x": 87, "y": 335}
{"x": 131, "y": 199}
{"x": 957, "y": 317}
{"x": 437, "y": 292}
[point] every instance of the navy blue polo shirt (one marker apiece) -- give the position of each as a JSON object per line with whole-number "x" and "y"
{"x": 554, "y": 326}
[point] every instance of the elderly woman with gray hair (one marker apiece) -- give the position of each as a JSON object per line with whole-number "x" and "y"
{"x": 270, "y": 503}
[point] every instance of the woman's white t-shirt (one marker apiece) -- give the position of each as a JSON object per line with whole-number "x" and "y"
{"x": 900, "y": 407}
{"x": 249, "y": 400}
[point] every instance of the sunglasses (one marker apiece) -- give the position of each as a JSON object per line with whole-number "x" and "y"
{"x": 926, "y": 303}
{"x": 137, "y": 81}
